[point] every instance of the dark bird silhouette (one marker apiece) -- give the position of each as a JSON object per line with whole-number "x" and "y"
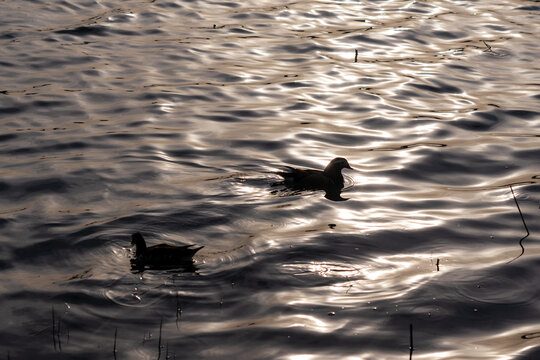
{"x": 162, "y": 256}
{"x": 330, "y": 179}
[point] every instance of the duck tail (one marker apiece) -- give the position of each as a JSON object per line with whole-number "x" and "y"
{"x": 195, "y": 249}
{"x": 288, "y": 173}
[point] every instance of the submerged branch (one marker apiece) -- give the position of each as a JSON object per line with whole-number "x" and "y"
{"x": 524, "y": 224}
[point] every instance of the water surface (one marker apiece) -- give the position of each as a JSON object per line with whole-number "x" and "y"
{"x": 170, "y": 117}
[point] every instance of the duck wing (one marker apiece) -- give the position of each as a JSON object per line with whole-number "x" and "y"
{"x": 187, "y": 250}
{"x": 164, "y": 255}
{"x": 307, "y": 179}
{"x": 170, "y": 247}
{"x": 297, "y": 175}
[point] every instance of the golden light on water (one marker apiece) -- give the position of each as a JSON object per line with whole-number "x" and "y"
{"x": 323, "y": 269}
{"x": 375, "y": 219}
{"x": 167, "y": 107}
{"x": 169, "y": 119}
{"x": 312, "y": 323}
{"x": 301, "y": 357}
{"x": 362, "y": 282}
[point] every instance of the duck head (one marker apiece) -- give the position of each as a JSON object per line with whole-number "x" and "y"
{"x": 140, "y": 245}
{"x": 333, "y": 171}
{"x": 336, "y": 165}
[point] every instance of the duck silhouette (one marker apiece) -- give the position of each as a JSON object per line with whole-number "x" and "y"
{"x": 330, "y": 179}
{"x": 162, "y": 256}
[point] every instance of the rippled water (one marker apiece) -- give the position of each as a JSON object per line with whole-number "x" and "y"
{"x": 169, "y": 118}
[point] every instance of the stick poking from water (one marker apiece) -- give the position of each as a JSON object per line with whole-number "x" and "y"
{"x": 524, "y": 224}
{"x": 355, "y": 55}
{"x": 411, "y": 347}
{"x": 114, "y": 346}
{"x": 58, "y": 333}
{"x": 53, "y": 328}
{"x": 178, "y": 311}
{"x": 159, "y": 340}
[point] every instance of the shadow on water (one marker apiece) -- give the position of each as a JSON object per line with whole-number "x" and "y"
{"x": 330, "y": 192}
{"x": 186, "y": 267}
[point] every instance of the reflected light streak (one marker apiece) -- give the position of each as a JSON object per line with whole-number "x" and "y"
{"x": 365, "y": 180}
{"x": 241, "y": 188}
{"x": 301, "y": 357}
{"x": 505, "y": 346}
{"x": 118, "y": 17}
{"x": 385, "y": 267}
{"x": 167, "y": 107}
{"x": 169, "y": 164}
{"x": 308, "y": 322}
{"x": 311, "y": 322}
{"x": 375, "y": 219}
{"x": 352, "y": 357}
{"x": 324, "y": 269}
{"x": 384, "y": 277}
{"x": 424, "y": 130}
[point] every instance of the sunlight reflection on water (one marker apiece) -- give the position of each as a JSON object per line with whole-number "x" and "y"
{"x": 172, "y": 117}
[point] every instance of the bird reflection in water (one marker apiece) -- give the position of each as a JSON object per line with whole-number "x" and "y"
{"x": 162, "y": 256}
{"x": 330, "y": 179}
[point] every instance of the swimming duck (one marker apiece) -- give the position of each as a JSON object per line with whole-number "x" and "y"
{"x": 317, "y": 179}
{"x": 161, "y": 256}
{"x": 330, "y": 179}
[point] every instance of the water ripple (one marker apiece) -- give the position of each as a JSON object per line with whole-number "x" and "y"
{"x": 171, "y": 118}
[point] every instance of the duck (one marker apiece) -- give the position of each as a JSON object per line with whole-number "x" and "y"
{"x": 310, "y": 178}
{"x": 330, "y": 179}
{"x": 162, "y": 256}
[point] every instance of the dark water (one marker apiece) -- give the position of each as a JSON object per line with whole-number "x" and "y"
{"x": 168, "y": 118}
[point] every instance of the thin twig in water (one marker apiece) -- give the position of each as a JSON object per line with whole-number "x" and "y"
{"x": 58, "y": 333}
{"x": 524, "y": 224}
{"x": 145, "y": 339}
{"x": 488, "y": 47}
{"x": 114, "y": 346}
{"x": 355, "y": 55}
{"x": 178, "y": 310}
{"x": 159, "y": 340}
{"x": 53, "y": 328}
{"x": 438, "y": 262}
{"x": 411, "y": 347}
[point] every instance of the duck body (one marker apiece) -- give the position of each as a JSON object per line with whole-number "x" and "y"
{"x": 330, "y": 177}
{"x": 162, "y": 256}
